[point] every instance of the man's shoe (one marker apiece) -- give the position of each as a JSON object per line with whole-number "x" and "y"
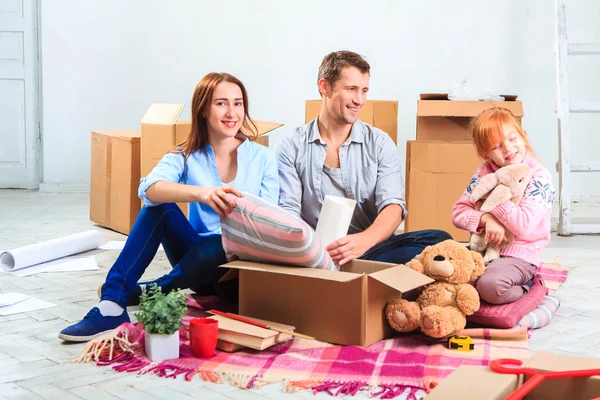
{"x": 92, "y": 325}
{"x": 133, "y": 300}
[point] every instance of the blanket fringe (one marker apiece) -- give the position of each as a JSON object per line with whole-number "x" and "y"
{"x": 295, "y": 386}
{"x": 105, "y": 346}
{"x": 393, "y": 391}
{"x": 341, "y": 388}
{"x": 168, "y": 370}
{"x": 352, "y": 388}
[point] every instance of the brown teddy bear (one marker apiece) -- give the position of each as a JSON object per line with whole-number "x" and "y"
{"x": 441, "y": 309}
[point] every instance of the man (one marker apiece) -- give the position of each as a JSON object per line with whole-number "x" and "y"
{"x": 337, "y": 154}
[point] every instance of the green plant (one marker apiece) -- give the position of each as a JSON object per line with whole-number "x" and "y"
{"x": 160, "y": 313}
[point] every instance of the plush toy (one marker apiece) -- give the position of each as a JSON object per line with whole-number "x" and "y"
{"x": 508, "y": 183}
{"x": 441, "y": 308}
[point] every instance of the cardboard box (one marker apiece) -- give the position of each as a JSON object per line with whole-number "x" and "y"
{"x": 441, "y": 119}
{"x": 437, "y": 173}
{"x": 470, "y": 382}
{"x": 382, "y": 114}
{"x": 343, "y": 307}
{"x": 161, "y": 132}
{"x": 115, "y": 176}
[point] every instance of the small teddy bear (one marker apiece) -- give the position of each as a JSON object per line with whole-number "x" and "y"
{"x": 440, "y": 310}
{"x": 508, "y": 183}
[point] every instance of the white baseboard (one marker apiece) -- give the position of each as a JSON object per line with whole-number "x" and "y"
{"x": 64, "y": 188}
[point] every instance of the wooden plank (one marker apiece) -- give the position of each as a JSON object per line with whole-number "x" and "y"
{"x": 585, "y": 228}
{"x": 584, "y": 49}
{"x": 585, "y": 167}
{"x": 562, "y": 112}
{"x": 584, "y": 107}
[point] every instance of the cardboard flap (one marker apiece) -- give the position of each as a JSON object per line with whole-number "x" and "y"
{"x": 336, "y": 276}
{"x": 162, "y": 114}
{"x": 438, "y": 105}
{"x": 559, "y": 362}
{"x": 401, "y": 278}
{"x": 444, "y": 96}
{"x": 264, "y": 127}
{"x": 122, "y": 134}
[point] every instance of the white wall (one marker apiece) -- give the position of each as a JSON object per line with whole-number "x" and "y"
{"x": 105, "y": 62}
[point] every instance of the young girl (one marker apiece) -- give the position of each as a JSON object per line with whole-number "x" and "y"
{"x": 500, "y": 141}
{"x": 214, "y": 161}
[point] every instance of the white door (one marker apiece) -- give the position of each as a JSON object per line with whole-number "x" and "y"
{"x": 19, "y": 100}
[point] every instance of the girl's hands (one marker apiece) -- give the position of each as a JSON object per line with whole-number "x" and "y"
{"x": 219, "y": 198}
{"x": 495, "y": 232}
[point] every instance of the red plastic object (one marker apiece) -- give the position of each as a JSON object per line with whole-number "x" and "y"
{"x": 203, "y": 336}
{"x": 537, "y": 376}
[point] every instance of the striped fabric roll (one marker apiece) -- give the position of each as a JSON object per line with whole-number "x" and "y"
{"x": 259, "y": 231}
{"x": 542, "y": 315}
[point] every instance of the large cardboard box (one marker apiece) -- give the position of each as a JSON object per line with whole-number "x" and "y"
{"x": 441, "y": 119}
{"x": 344, "y": 307}
{"x": 115, "y": 176}
{"x": 161, "y": 132}
{"x": 470, "y": 382}
{"x": 382, "y": 114}
{"x": 437, "y": 173}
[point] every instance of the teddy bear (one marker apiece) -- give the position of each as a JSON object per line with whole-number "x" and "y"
{"x": 507, "y": 183}
{"x": 441, "y": 308}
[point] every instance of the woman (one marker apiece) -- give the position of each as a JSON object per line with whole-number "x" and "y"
{"x": 215, "y": 160}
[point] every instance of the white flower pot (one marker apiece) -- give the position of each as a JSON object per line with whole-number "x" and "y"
{"x": 162, "y": 347}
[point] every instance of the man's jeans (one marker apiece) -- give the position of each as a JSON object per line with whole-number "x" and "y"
{"x": 400, "y": 249}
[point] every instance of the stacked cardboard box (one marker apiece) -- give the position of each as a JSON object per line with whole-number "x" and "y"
{"x": 115, "y": 176}
{"x": 382, "y": 114}
{"x": 442, "y": 160}
{"x": 120, "y": 158}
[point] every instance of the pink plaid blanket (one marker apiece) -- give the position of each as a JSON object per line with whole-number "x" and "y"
{"x": 409, "y": 365}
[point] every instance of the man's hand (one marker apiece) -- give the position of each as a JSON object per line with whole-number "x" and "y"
{"x": 495, "y": 232}
{"x": 218, "y": 198}
{"x": 349, "y": 247}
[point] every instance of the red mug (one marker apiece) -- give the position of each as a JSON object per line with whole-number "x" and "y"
{"x": 203, "y": 333}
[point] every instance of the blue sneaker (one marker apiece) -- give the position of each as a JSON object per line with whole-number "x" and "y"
{"x": 92, "y": 325}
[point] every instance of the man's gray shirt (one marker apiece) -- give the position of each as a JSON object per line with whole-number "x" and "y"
{"x": 370, "y": 173}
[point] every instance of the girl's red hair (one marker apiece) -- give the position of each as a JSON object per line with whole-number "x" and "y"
{"x": 487, "y": 129}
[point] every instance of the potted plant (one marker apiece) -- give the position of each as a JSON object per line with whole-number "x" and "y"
{"x": 161, "y": 315}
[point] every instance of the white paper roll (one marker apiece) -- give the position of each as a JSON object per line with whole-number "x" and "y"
{"x": 27, "y": 256}
{"x": 335, "y": 218}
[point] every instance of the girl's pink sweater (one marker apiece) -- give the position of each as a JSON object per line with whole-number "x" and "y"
{"x": 529, "y": 221}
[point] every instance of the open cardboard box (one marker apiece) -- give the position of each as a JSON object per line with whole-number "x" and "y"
{"x": 441, "y": 119}
{"x": 162, "y": 131}
{"x": 343, "y": 307}
{"x": 469, "y": 382}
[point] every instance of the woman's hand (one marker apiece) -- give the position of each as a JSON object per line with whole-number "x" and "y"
{"x": 219, "y": 198}
{"x": 495, "y": 232}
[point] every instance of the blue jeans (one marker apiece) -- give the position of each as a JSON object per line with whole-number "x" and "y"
{"x": 400, "y": 249}
{"x": 195, "y": 259}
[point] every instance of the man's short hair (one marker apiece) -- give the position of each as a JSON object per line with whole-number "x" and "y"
{"x": 333, "y": 64}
